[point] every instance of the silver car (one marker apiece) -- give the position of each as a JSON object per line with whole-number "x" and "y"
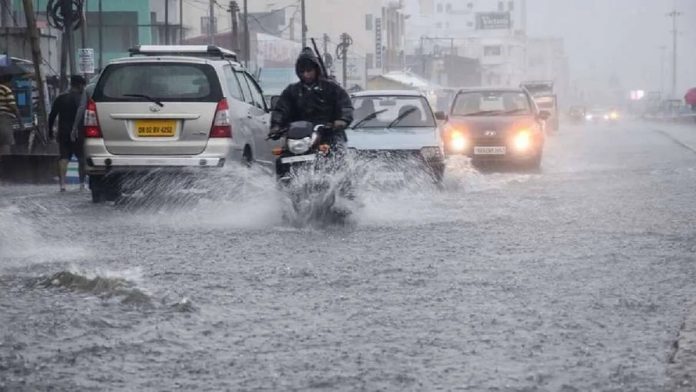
{"x": 399, "y": 128}
{"x": 172, "y": 107}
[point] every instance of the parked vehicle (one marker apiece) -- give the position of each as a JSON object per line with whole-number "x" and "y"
{"x": 172, "y": 107}
{"x": 496, "y": 125}
{"x": 398, "y": 128}
{"x": 545, "y": 98}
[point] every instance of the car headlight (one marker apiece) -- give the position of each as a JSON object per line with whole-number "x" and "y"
{"x": 523, "y": 140}
{"x": 614, "y": 115}
{"x": 458, "y": 142}
{"x": 299, "y": 146}
{"x": 589, "y": 117}
{"x": 430, "y": 153}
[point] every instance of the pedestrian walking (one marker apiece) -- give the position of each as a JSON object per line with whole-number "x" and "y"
{"x": 9, "y": 114}
{"x": 65, "y": 108}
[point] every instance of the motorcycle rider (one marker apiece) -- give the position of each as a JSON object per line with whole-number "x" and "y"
{"x": 316, "y": 99}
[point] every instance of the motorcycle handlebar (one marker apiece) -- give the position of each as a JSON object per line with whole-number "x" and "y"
{"x": 277, "y": 135}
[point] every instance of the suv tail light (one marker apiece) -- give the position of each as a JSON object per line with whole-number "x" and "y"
{"x": 92, "y": 129}
{"x": 222, "y": 124}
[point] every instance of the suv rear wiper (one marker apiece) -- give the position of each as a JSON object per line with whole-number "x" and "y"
{"x": 149, "y": 98}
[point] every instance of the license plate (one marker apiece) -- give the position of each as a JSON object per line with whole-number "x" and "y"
{"x": 484, "y": 150}
{"x": 299, "y": 158}
{"x": 155, "y": 128}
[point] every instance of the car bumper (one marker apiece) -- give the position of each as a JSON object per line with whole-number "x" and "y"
{"x": 100, "y": 161}
{"x": 510, "y": 155}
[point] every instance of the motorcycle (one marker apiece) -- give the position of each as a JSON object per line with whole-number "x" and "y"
{"x": 308, "y": 170}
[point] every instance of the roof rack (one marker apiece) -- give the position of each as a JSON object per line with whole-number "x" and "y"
{"x": 183, "y": 50}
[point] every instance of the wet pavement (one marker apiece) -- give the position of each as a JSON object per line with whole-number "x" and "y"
{"x": 577, "y": 278}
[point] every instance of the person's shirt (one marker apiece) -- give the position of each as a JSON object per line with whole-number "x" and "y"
{"x": 8, "y": 103}
{"x": 65, "y": 108}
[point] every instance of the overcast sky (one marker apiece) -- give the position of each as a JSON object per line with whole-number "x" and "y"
{"x": 619, "y": 37}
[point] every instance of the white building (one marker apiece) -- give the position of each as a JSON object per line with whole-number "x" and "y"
{"x": 547, "y": 60}
{"x": 493, "y": 32}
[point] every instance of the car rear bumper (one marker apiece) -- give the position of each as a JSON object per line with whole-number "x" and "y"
{"x": 100, "y": 161}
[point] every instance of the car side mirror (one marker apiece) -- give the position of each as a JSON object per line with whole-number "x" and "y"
{"x": 544, "y": 115}
{"x": 442, "y": 116}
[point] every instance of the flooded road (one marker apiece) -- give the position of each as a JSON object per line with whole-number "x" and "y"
{"x": 573, "y": 279}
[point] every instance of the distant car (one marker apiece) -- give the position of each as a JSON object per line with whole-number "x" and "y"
{"x": 496, "y": 125}
{"x": 577, "y": 113}
{"x": 397, "y": 127}
{"x": 602, "y": 115}
{"x": 172, "y": 108}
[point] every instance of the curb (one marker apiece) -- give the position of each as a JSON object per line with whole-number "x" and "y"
{"x": 681, "y": 370}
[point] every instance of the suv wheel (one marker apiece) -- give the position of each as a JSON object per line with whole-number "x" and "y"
{"x": 247, "y": 157}
{"x": 96, "y": 187}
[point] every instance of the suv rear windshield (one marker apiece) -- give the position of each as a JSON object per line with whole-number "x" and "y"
{"x": 170, "y": 82}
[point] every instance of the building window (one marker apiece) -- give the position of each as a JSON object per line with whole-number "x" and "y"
{"x": 501, "y": 6}
{"x": 470, "y": 24}
{"x": 491, "y": 51}
{"x": 511, "y": 5}
{"x": 470, "y": 5}
{"x": 368, "y": 22}
{"x": 449, "y": 7}
{"x": 206, "y": 28}
{"x": 439, "y": 7}
{"x": 438, "y": 25}
{"x": 370, "y": 59}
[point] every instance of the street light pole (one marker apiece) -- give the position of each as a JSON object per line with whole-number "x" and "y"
{"x": 247, "y": 36}
{"x": 674, "y": 15}
{"x": 166, "y": 22}
{"x": 211, "y": 15}
{"x": 304, "y": 24}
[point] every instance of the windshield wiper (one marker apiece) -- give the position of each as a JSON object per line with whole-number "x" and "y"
{"x": 401, "y": 116}
{"x": 369, "y": 117}
{"x": 514, "y": 111}
{"x": 483, "y": 113}
{"x": 149, "y": 98}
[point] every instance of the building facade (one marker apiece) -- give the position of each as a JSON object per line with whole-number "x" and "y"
{"x": 493, "y": 32}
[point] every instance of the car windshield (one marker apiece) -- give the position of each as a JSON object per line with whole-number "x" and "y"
{"x": 491, "y": 103}
{"x": 164, "y": 82}
{"x": 380, "y": 111}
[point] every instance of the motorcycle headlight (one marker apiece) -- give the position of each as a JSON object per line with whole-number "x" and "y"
{"x": 299, "y": 146}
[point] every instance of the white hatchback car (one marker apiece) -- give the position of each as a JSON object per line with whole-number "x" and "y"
{"x": 398, "y": 128}
{"x": 172, "y": 107}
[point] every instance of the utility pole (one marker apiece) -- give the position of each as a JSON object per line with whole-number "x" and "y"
{"x": 6, "y": 14}
{"x": 342, "y": 54}
{"x": 247, "y": 36}
{"x": 211, "y": 23}
{"x": 304, "y": 23}
{"x": 101, "y": 38}
{"x": 166, "y": 22}
{"x": 181, "y": 21}
{"x": 36, "y": 59}
{"x": 233, "y": 9}
{"x": 674, "y": 15}
{"x": 663, "y": 52}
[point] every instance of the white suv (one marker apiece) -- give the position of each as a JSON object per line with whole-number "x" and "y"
{"x": 172, "y": 107}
